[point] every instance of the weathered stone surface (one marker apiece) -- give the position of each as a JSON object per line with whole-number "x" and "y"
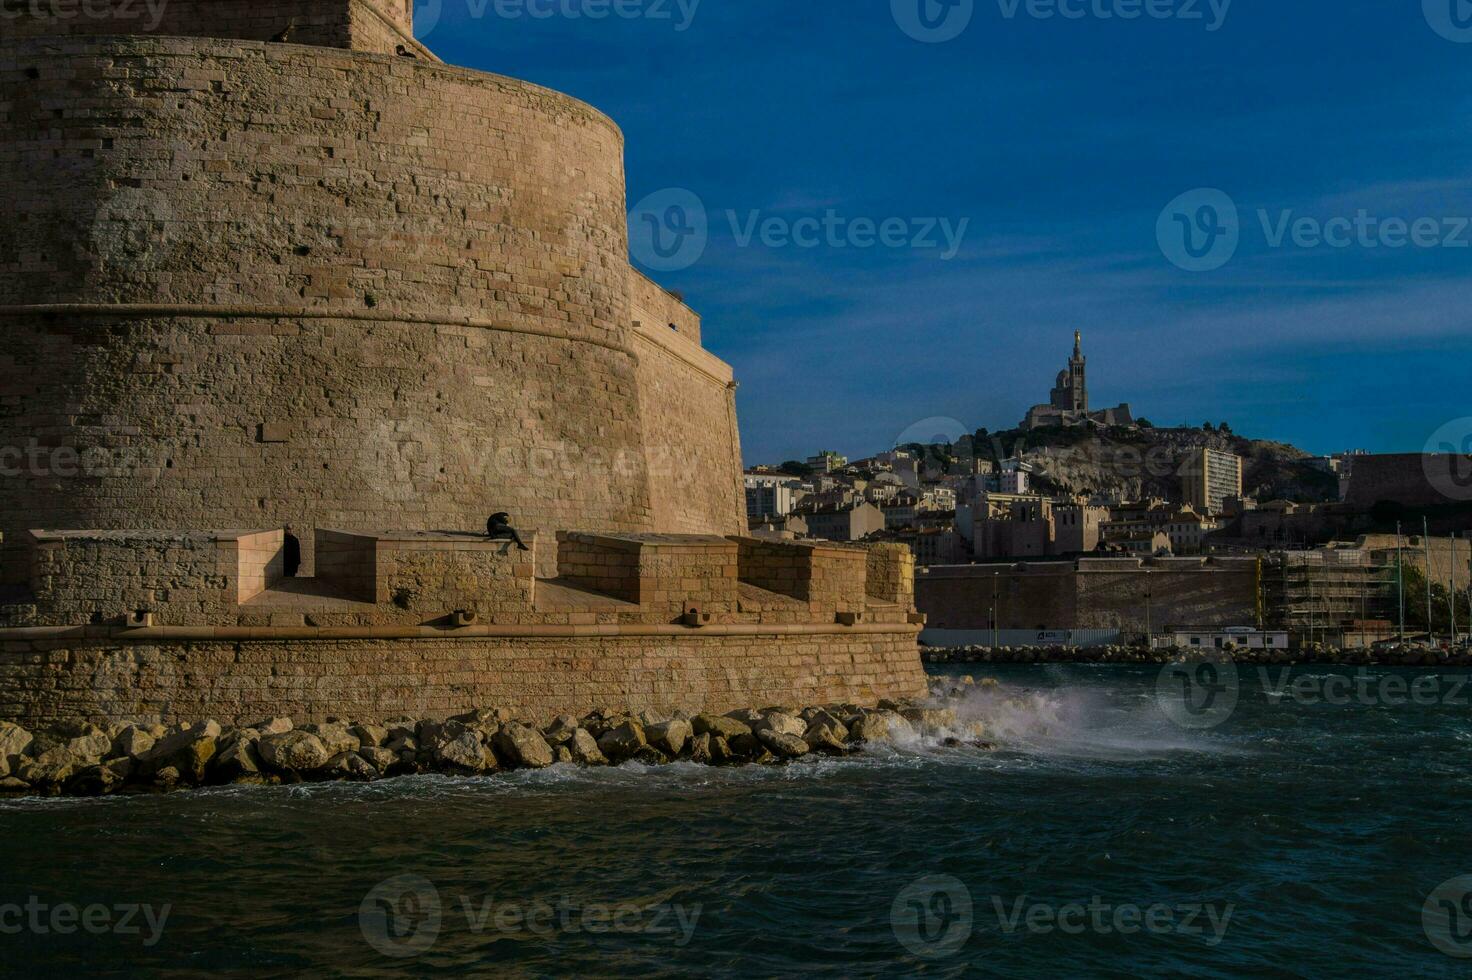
{"x": 13, "y": 786}
{"x": 720, "y": 725}
{"x": 620, "y": 744}
{"x": 748, "y": 748}
{"x": 187, "y": 751}
{"x": 930, "y": 720}
{"x": 523, "y": 746}
{"x": 561, "y": 729}
{"x": 584, "y": 748}
{"x": 335, "y": 738}
{"x": 15, "y": 741}
{"x": 561, "y": 754}
{"x": 98, "y": 780}
{"x": 465, "y": 753}
{"x": 59, "y": 763}
{"x": 829, "y": 737}
{"x": 669, "y": 737}
{"x": 238, "y": 762}
{"x": 132, "y": 742}
{"x": 700, "y": 750}
{"x": 782, "y": 744}
{"x": 869, "y": 728}
{"x": 381, "y": 759}
{"x": 648, "y": 755}
{"x": 779, "y": 721}
{"x": 293, "y": 752}
{"x": 273, "y": 726}
{"x": 369, "y": 736}
{"x": 349, "y": 766}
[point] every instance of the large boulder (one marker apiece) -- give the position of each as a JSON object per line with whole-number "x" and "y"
{"x": 700, "y": 750}
{"x": 294, "y": 752}
{"x": 273, "y": 726}
{"x": 487, "y": 719}
{"x": 781, "y": 722}
{"x": 561, "y": 730}
{"x": 381, "y": 759}
{"x": 465, "y": 754}
{"x": 648, "y": 755}
{"x": 782, "y": 744}
{"x": 584, "y": 748}
{"x": 335, "y": 737}
{"x": 872, "y": 727}
{"x": 132, "y": 742}
{"x": 369, "y": 736}
{"x": 749, "y": 748}
{"x": 825, "y": 736}
{"x": 722, "y": 725}
{"x": 237, "y": 763}
{"x": 15, "y": 741}
{"x": 670, "y": 737}
{"x": 64, "y": 759}
{"x": 930, "y": 720}
{"x": 101, "y": 779}
{"x": 349, "y": 766}
{"x": 619, "y": 744}
{"x": 523, "y": 746}
{"x": 189, "y": 751}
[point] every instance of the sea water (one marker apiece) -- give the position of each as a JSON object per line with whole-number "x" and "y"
{"x": 1321, "y": 827}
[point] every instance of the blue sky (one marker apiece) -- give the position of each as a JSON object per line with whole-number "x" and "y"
{"x": 1059, "y": 141}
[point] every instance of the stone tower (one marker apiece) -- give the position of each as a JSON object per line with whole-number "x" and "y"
{"x": 1071, "y": 393}
{"x": 291, "y": 308}
{"x": 248, "y": 283}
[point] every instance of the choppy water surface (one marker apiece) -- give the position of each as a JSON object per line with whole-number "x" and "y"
{"x": 1097, "y": 839}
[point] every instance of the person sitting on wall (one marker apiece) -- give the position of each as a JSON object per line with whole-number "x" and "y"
{"x": 499, "y": 528}
{"x": 291, "y": 554}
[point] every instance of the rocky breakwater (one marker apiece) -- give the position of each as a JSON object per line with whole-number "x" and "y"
{"x": 138, "y": 756}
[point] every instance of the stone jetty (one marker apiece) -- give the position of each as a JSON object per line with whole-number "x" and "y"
{"x": 83, "y": 759}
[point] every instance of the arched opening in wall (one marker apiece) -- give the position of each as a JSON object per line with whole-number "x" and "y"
{"x": 291, "y": 555}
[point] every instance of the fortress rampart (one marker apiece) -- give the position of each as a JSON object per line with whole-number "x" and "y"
{"x": 317, "y": 290}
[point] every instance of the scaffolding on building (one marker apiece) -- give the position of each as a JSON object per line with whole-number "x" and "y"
{"x": 1327, "y": 594}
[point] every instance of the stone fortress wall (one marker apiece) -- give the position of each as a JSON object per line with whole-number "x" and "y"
{"x": 1091, "y": 594}
{"x": 324, "y": 289}
{"x": 191, "y": 305}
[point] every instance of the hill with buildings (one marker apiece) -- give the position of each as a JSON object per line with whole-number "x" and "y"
{"x": 1137, "y": 463}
